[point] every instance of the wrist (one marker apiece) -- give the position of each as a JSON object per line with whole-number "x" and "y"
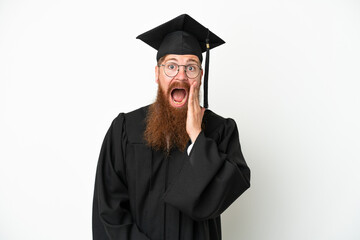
{"x": 193, "y": 136}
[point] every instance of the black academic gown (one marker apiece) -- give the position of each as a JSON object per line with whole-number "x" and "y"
{"x": 143, "y": 194}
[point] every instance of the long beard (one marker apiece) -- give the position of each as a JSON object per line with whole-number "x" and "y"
{"x": 166, "y": 125}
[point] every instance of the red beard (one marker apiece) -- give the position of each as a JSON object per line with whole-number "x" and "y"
{"x": 165, "y": 124}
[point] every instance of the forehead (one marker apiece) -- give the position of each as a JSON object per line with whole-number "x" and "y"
{"x": 182, "y": 58}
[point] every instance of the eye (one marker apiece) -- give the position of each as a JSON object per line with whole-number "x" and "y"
{"x": 192, "y": 68}
{"x": 171, "y": 66}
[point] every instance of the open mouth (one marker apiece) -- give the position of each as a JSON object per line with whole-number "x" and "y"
{"x": 178, "y": 96}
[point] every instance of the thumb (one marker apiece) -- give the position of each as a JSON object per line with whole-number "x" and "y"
{"x": 202, "y": 111}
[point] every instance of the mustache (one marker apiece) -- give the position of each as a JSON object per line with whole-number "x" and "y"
{"x": 178, "y": 84}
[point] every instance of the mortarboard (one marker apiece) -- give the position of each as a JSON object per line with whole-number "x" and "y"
{"x": 183, "y": 35}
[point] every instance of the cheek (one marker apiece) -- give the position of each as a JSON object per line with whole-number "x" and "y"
{"x": 163, "y": 84}
{"x": 191, "y": 81}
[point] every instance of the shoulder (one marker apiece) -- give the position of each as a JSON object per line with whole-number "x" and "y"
{"x": 137, "y": 114}
{"x": 133, "y": 116}
{"x": 132, "y": 123}
{"x": 215, "y": 124}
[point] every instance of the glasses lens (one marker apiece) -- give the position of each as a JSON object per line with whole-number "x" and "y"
{"x": 192, "y": 71}
{"x": 171, "y": 69}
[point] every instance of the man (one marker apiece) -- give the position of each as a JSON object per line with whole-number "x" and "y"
{"x": 168, "y": 170}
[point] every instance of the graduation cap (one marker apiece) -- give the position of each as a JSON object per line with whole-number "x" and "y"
{"x": 183, "y": 35}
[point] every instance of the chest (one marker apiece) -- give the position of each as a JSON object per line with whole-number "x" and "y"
{"x": 150, "y": 172}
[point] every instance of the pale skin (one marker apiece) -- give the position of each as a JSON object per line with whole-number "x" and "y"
{"x": 195, "y": 112}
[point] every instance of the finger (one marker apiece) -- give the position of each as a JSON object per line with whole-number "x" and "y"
{"x": 196, "y": 95}
{"x": 196, "y": 92}
{"x": 191, "y": 96}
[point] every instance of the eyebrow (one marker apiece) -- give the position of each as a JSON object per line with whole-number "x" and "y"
{"x": 192, "y": 60}
{"x": 189, "y": 60}
{"x": 173, "y": 59}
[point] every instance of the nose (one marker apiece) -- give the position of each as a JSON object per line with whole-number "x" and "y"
{"x": 181, "y": 73}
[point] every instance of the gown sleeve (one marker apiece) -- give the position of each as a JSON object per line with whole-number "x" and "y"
{"x": 112, "y": 218}
{"x": 214, "y": 175}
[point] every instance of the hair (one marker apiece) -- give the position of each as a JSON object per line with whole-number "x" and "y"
{"x": 161, "y": 60}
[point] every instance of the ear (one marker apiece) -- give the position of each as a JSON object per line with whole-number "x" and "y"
{"x": 157, "y": 74}
{"x": 202, "y": 72}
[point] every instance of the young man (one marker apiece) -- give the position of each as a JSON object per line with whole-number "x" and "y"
{"x": 168, "y": 170}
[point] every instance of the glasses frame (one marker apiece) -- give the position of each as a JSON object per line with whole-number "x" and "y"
{"x": 185, "y": 66}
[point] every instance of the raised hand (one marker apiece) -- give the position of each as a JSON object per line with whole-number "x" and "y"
{"x": 195, "y": 112}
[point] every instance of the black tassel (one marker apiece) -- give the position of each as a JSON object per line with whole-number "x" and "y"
{"x": 206, "y": 77}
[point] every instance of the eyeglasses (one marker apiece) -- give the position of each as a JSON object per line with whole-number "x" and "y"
{"x": 171, "y": 69}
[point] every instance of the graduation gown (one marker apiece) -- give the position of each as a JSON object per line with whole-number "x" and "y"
{"x": 144, "y": 194}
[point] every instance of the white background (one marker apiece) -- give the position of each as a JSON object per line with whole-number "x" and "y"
{"x": 288, "y": 74}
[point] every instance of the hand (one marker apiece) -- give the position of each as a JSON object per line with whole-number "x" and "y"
{"x": 195, "y": 112}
